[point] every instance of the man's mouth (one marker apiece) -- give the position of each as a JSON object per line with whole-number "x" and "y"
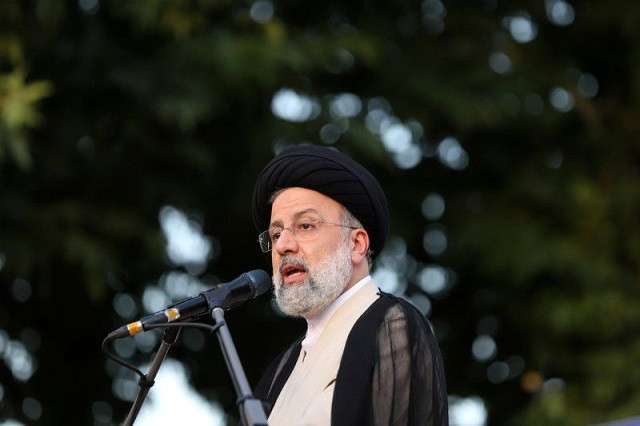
{"x": 292, "y": 273}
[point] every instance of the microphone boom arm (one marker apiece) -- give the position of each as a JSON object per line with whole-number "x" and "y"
{"x": 251, "y": 410}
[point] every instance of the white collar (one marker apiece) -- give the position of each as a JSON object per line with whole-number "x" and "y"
{"x": 316, "y": 323}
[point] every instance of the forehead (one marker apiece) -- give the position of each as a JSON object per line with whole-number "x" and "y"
{"x": 294, "y": 200}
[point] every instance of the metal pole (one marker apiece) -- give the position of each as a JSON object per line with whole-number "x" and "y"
{"x": 169, "y": 338}
{"x": 251, "y": 410}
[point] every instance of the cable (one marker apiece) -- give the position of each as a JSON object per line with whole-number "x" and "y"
{"x": 133, "y": 368}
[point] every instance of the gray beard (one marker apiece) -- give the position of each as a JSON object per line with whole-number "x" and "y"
{"x": 325, "y": 281}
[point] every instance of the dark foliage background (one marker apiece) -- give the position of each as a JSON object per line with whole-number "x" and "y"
{"x": 521, "y": 117}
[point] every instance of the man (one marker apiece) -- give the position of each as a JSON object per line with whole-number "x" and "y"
{"x": 367, "y": 357}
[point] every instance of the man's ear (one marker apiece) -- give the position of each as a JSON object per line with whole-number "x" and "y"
{"x": 360, "y": 240}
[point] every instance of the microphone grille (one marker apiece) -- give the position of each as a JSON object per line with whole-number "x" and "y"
{"x": 261, "y": 281}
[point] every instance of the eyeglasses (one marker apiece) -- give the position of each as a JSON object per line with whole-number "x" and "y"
{"x": 304, "y": 230}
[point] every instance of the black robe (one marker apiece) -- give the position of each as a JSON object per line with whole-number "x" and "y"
{"x": 391, "y": 370}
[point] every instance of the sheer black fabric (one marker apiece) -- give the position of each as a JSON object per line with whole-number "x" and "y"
{"x": 391, "y": 372}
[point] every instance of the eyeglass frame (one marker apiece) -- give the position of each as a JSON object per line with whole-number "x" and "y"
{"x": 265, "y": 236}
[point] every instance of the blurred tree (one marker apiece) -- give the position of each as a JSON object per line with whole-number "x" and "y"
{"x": 505, "y": 136}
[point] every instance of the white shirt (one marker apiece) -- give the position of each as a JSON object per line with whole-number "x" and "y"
{"x": 306, "y": 397}
{"x": 316, "y": 323}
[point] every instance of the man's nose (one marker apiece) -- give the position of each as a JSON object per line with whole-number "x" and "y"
{"x": 286, "y": 243}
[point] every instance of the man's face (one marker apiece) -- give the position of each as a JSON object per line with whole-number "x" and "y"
{"x": 308, "y": 275}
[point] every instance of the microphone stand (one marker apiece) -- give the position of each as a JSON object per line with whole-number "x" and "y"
{"x": 251, "y": 410}
{"x": 169, "y": 338}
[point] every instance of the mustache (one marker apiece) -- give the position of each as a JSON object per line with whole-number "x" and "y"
{"x": 292, "y": 260}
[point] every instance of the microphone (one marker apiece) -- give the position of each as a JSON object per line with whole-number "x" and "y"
{"x": 226, "y": 296}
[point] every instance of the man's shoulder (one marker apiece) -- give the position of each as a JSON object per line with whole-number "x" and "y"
{"x": 390, "y": 307}
{"x": 385, "y": 309}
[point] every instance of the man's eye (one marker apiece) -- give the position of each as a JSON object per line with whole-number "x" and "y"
{"x": 306, "y": 226}
{"x": 275, "y": 234}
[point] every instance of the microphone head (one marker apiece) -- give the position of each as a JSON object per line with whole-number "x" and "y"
{"x": 261, "y": 281}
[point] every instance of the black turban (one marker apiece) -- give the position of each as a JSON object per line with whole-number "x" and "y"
{"x": 331, "y": 173}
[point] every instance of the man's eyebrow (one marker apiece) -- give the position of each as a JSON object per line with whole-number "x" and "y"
{"x": 301, "y": 213}
{"x": 296, "y": 216}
